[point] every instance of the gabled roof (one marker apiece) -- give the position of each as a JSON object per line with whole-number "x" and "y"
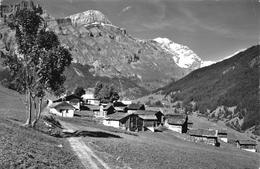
{"x": 120, "y": 109}
{"x": 148, "y": 117}
{"x": 135, "y": 106}
{"x": 119, "y": 104}
{"x": 203, "y": 132}
{"x": 222, "y": 131}
{"x": 176, "y": 119}
{"x": 64, "y": 106}
{"x": 92, "y": 107}
{"x": 117, "y": 116}
{"x": 108, "y": 106}
{"x": 146, "y": 112}
{"x": 247, "y": 142}
{"x": 68, "y": 98}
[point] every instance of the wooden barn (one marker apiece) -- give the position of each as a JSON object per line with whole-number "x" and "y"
{"x": 93, "y": 108}
{"x": 134, "y": 107}
{"x": 122, "y": 120}
{"x": 176, "y": 122}
{"x": 148, "y": 119}
{"x": 106, "y": 109}
{"x": 205, "y": 136}
{"x": 120, "y": 107}
{"x": 247, "y": 145}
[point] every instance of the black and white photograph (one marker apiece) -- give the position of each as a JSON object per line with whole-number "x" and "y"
{"x": 129, "y": 84}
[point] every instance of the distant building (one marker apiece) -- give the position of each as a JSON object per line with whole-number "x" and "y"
{"x": 120, "y": 107}
{"x": 95, "y": 109}
{"x": 247, "y": 145}
{"x": 72, "y": 99}
{"x": 222, "y": 135}
{"x": 63, "y": 109}
{"x": 105, "y": 109}
{"x": 134, "y": 107}
{"x": 205, "y": 136}
{"x": 122, "y": 121}
{"x": 89, "y": 98}
{"x": 148, "y": 120}
{"x": 176, "y": 122}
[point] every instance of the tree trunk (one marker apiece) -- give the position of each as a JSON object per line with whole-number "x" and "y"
{"x": 38, "y": 113}
{"x": 29, "y": 111}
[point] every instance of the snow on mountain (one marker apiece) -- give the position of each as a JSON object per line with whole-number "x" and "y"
{"x": 207, "y": 63}
{"x": 182, "y": 55}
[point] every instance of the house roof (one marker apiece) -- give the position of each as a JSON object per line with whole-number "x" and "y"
{"x": 108, "y": 106}
{"x": 173, "y": 121}
{"x": 203, "y": 132}
{"x": 117, "y": 116}
{"x": 68, "y": 98}
{"x": 64, "y": 105}
{"x": 176, "y": 119}
{"x": 146, "y": 112}
{"x": 222, "y": 131}
{"x": 247, "y": 142}
{"x": 120, "y": 108}
{"x": 148, "y": 117}
{"x": 135, "y": 106}
{"x": 92, "y": 107}
{"x": 119, "y": 104}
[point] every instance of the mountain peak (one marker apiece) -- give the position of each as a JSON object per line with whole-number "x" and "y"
{"x": 182, "y": 55}
{"x": 89, "y": 17}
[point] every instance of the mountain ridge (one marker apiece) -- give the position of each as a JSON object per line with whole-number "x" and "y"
{"x": 108, "y": 51}
{"x": 231, "y": 82}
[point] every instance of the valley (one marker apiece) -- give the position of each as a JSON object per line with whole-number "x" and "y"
{"x": 78, "y": 91}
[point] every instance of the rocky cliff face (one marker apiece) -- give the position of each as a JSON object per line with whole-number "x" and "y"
{"x": 89, "y": 17}
{"x": 106, "y": 51}
{"x": 111, "y": 51}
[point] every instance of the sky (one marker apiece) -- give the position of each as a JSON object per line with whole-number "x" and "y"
{"x": 213, "y": 29}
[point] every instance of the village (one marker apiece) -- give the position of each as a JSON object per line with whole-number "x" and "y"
{"x": 136, "y": 117}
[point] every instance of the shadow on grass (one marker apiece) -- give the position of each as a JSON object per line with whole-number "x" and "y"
{"x": 99, "y": 134}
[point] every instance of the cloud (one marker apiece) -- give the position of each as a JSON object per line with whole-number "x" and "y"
{"x": 126, "y": 9}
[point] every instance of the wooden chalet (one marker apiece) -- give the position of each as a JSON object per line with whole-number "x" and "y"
{"x": 120, "y": 107}
{"x": 106, "y": 109}
{"x": 205, "y": 136}
{"x": 176, "y": 122}
{"x": 134, "y": 107}
{"x": 93, "y": 108}
{"x": 247, "y": 145}
{"x": 148, "y": 119}
{"x": 122, "y": 121}
{"x": 63, "y": 109}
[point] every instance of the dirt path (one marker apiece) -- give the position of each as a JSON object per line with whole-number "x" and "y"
{"x": 86, "y": 155}
{"x": 88, "y": 158}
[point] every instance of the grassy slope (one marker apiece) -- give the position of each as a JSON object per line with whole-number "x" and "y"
{"x": 23, "y": 148}
{"x": 210, "y": 87}
{"x": 148, "y": 150}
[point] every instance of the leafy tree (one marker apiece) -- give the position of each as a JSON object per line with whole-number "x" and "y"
{"x": 105, "y": 92}
{"x": 79, "y": 91}
{"x": 97, "y": 89}
{"x": 37, "y": 66}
